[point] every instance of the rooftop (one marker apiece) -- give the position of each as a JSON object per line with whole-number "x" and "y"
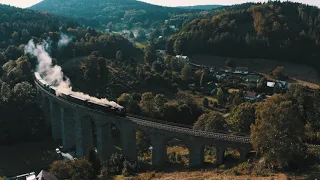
{"x": 271, "y": 84}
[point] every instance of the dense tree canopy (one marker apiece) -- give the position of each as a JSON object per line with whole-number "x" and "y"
{"x": 283, "y": 31}
{"x": 98, "y": 14}
{"x": 19, "y": 25}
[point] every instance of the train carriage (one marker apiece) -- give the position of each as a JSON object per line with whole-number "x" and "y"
{"x": 78, "y": 100}
{"x": 119, "y": 111}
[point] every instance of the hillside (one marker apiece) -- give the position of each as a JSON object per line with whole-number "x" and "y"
{"x": 19, "y": 25}
{"x": 281, "y": 31}
{"x": 97, "y": 13}
{"x": 201, "y": 7}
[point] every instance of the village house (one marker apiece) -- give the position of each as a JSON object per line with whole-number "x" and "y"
{"x": 220, "y": 76}
{"x": 183, "y": 59}
{"x": 174, "y": 28}
{"x": 251, "y": 96}
{"x": 241, "y": 70}
{"x": 283, "y": 84}
{"x": 271, "y": 84}
{"x": 252, "y": 79}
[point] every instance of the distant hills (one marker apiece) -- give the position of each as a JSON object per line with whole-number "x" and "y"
{"x": 98, "y": 13}
{"x": 201, "y": 7}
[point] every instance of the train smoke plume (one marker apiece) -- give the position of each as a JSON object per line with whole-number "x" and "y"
{"x": 54, "y": 76}
{"x": 64, "y": 40}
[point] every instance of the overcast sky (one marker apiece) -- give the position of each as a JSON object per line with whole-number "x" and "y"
{"x": 27, "y": 3}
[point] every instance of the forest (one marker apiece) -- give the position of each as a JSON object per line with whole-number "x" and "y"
{"x": 156, "y": 84}
{"x": 16, "y": 84}
{"x": 17, "y": 26}
{"x": 281, "y": 31}
{"x": 129, "y": 12}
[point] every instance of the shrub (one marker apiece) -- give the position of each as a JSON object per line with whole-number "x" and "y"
{"x": 81, "y": 169}
{"x": 118, "y": 165}
{"x": 215, "y": 104}
{"x": 129, "y": 169}
{"x": 179, "y": 158}
{"x": 229, "y": 63}
{"x": 60, "y": 169}
{"x": 172, "y": 157}
{"x": 205, "y": 102}
{"x": 115, "y": 164}
{"x": 104, "y": 175}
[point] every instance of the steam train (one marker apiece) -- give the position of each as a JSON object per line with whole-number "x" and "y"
{"x": 118, "y": 111}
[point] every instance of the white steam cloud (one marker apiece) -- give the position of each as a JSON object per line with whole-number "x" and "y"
{"x": 53, "y": 75}
{"x": 64, "y": 41}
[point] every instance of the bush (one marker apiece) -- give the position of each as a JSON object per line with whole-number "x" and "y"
{"x": 205, "y": 102}
{"x": 179, "y": 158}
{"x": 60, "y": 169}
{"x": 129, "y": 169}
{"x": 81, "y": 169}
{"x": 118, "y": 165}
{"x": 260, "y": 168}
{"x": 104, "y": 175}
{"x": 115, "y": 164}
{"x": 172, "y": 157}
{"x": 229, "y": 63}
{"x": 215, "y": 104}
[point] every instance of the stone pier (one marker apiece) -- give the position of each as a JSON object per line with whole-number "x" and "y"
{"x": 196, "y": 151}
{"x": 105, "y": 142}
{"x": 67, "y": 128}
{"x": 159, "y": 152}
{"x": 128, "y": 140}
{"x": 84, "y": 138}
{"x": 55, "y": 117}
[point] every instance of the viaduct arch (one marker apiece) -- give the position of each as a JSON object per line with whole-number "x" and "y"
{"x": 73, "y": 124}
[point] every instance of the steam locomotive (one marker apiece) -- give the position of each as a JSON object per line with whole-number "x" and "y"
{"x": 118, "y": 111}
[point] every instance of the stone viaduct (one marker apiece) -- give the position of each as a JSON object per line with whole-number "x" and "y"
{"x": 73, "y": 124}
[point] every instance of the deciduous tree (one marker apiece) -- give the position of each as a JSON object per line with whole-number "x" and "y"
{"x": 81, "y": 169}
{"x": 242, "y": 117}
{"x": 220, "y": 96}
{"x": 186, "y": 72}
{"x": 60, "y": 169}
{"x": 272, "y": 134}
{"x": 147, "y": 103}
{"x": 210, "y": 122}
